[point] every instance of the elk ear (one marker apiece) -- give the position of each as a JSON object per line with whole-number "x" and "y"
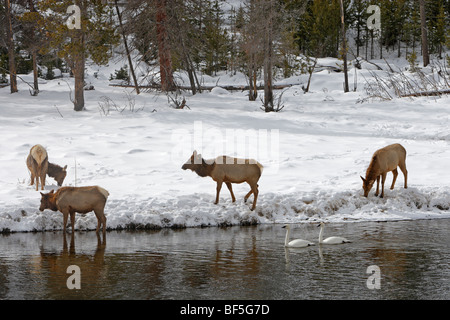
{"x": 42, "y": 194}
{"x": 51, "y": 192}
{"x": 364, "y": 180}
{"x": 65, "y": 167}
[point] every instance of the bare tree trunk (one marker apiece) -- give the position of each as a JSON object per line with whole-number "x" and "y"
{"x": 79, "y": 60}
{"x": 190, "y": 69}
{"x": 165, "y": 60}
{"x": 119, "y": 15}
{"x": 423, "y": 23}
{"x": 252, "y": 75}
{"x": 78, "y": 73}
{"x": 10, "y": 43}
{"x": 35, "y": 73}
{"x": 268, "y": 59}
{"x": 310, "y": 71}
{"x": 34, "y": 52}
{"x": 344, "y": 48}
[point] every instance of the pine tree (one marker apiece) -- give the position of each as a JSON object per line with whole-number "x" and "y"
{"x": 440, "y": 30}
{"x": 423, "y": 23}
{"x": 32, "y": 40}
{"x": 251, "y": 45}
{"x": 91, "y": 40}
{"x": 215, "y": 37}
{"x": 360, "y": 22}
{"x": 164, "y": 52}
{"x": 10, "y": 45}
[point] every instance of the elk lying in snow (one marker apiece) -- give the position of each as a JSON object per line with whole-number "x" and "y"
{"x": 384, "y": 160}
{"x": 229, "y": 170}
{"x": 69, "y": 200}
{"x": 57, "y": 173}
{"x": 37, "y": 163}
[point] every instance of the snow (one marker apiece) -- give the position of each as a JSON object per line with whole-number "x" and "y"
{"x": 313, "y": 153}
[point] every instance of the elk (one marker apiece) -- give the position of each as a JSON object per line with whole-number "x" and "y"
{"x": 37, "y": 163}
{"x": 56, "y": 172}
{"x": 384, "y": 160}
{"x": 229, "y": 170}
{"x": 69, "y": 200}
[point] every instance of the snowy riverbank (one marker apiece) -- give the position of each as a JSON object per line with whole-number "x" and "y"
{"x": 313, "y": 152}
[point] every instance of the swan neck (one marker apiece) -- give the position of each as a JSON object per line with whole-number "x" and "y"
{"x": 321, "y": 234}
{"x": 286, "y": 240}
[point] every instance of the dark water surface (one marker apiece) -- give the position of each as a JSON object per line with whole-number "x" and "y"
{"x": 231, "y": 263}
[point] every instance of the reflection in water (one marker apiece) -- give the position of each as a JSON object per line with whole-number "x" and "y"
{"x": 55, "y": 263}
{"x": 230, "y": 263}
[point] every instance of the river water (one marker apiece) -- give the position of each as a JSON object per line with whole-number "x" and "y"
{"x": 410, "y": 260}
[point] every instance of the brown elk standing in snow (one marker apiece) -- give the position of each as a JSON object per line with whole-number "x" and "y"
{"x": 229, "y": 170}
{"x": 69, "y": 200}
{"x": 56, "y": 172}
{"x": 37, "y": 163}
{"x": 384, "y": 160}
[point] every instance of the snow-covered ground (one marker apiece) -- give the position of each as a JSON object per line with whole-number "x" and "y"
{"x": 313, "y": 153}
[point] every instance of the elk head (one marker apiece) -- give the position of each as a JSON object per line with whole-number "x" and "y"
{"x": 367, "y": 186}
{"x": 48, "y": 201}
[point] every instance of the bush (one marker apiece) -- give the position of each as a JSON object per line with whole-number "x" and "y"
{"x": 121, "y": 74}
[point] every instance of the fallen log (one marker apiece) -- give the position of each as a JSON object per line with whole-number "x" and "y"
{"x": 208, "y": 88}
{"x": 426, "y": 93}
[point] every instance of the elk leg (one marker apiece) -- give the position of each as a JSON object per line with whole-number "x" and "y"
{"x": 231, "y": 190}
{"x": 255, "y": 193}
{"x": 405, "y": 173}
{"x": 395, "y": 173}
{"x": 101, "y": 219}
{"x": 65, "y": 218}
{"x": 219, "y": 186}
{"x": 378, "y": 186}
{"x": 43, "y": 180}
{"x": 32, "y": 178}
{"x": 249, "y": 193}
{"x": 383, "y": 179}
{"x": 34, "y": 175}
{"x": 72, "y": 220}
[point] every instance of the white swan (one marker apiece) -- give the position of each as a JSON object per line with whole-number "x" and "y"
{"x": 330, "y": 240}
{"x": 297, "y": 243}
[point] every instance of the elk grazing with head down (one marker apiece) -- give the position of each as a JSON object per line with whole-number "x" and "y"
{"x": 384, "y": 160}
{"x": 69, "y": 200}
{"x": 229, "y": 170}
{"x": 37, "y": 163}
{"x": 56, "y": 172}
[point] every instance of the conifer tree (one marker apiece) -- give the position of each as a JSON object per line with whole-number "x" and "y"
{"x": 164, "y": 51}
{"x": 424, "y": 32}
{"x": 91, "y": 40}
{"x": 32, "y": 39}
{"x": 440, "y": 30}
{"x": 10, "y": 45}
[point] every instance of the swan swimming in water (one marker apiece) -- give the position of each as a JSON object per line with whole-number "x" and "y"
{"x": 330, "y": 240}
{"x": 297, "y": 243}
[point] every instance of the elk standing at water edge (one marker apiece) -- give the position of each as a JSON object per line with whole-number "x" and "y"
{"x": 229, "y": 170}
{"x": 385, "y": 160}
{"x": 69, "y": 200}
